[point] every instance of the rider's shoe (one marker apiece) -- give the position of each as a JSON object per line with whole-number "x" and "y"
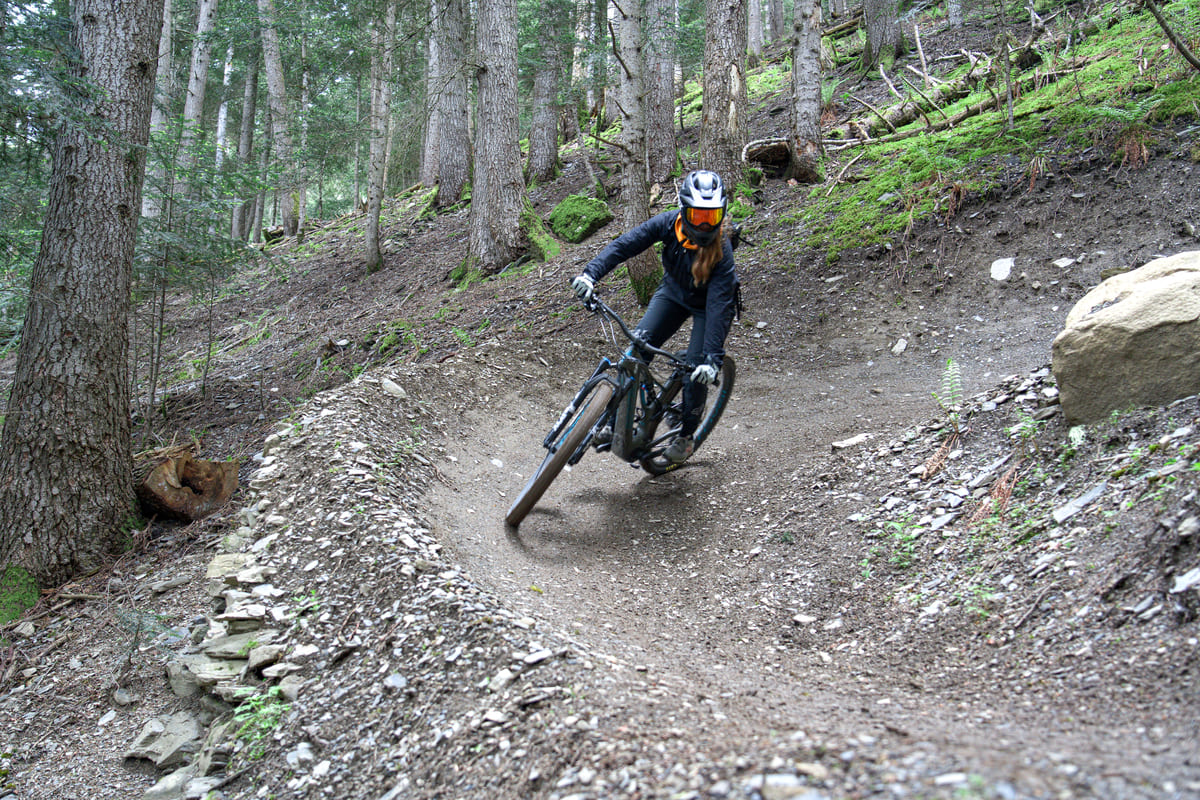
{"x": 680, "y": 450}
{"x": 603, "y": 436}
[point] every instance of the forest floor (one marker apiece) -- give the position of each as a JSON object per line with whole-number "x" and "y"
{"x": 783, "y": 617}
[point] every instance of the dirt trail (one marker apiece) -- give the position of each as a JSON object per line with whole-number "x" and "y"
{"x": 662, "y": 573}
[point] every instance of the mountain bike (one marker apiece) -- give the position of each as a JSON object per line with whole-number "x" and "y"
{"x": 625, "y": 408}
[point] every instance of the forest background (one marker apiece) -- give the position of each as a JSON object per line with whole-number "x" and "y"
{"x": 146, "y": 146}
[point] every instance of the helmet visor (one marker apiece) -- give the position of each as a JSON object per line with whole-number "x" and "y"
{"x": 705, "y": 219}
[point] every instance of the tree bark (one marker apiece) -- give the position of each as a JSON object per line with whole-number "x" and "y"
{"x": 635, "y": 203}
{"x": 260, "y": 198}
{"x": 805, "y": 150}
{"x": 776, "y": 19}
{"x": 383, "y": 43}
{"x": 222, "y": 142}
{"x": 243, "y": 214}
{"x": 433, "y": 76}
{"x": 884, "y": 37}
{"x": 543, "y": 127}
{"x": 454, "y": 147}
{"x": 661, "y": 20}
{"x": 164, "y": 83}
{"x": 301, "y": 164}
{"x": 281, "y": 137}
{"x": 954, "y": 13}
{"x": 754, "y": 31}
{"x": 498, "y": 192}
{"x": 193, "y": 102}
{"x": 66, "y": 472}
{"x": 723, "y": 120}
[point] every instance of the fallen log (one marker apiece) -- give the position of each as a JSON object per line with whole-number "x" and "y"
{"x": 851, "y": 23}
{"x": 772, "y": 156}
{"x": 944, "y": 93}
{"x": 910, "y": 109}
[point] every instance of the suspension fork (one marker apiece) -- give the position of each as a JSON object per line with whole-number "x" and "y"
{"x": 576, "y": 402}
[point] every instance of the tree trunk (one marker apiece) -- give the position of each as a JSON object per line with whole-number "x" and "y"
{"x": 193, "y": 102}
{"x": 884, "y": 38}
{"x": 754, "y": 31}
{"x": 66, "y": 472}
{"x": 954, "y": 13}
{"x": 301, "y": 162}
{"x": 164, "y": 82}
{"x": 723, "y": 121}
{"x": 264, "y": 162}
{"x": 357, "y": 143}
{"x": 635, "y": 203}
{"x": 433, "y": 77}
{"x": 454, "y": 148}
{"x": 498, "y": 192}
{"x": 661, "y": 19}
{"x": 281, "y": 137}
{"x": 805, "y": 164}
{"x": 383, "y": 43}
{"x": 775, "y": 8}
{"x": 243, "y": 214}
{"x": 543, "y": 128}
{"x": 222, "y": 142}
{"x": 581, "y": 61}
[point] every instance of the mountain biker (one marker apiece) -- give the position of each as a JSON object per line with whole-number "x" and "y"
{"x": 699, "y": 281}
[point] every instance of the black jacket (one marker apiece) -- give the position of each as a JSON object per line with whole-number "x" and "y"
{"x": 714, "y": 299}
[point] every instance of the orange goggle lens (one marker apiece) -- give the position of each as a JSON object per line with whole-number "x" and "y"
{"x": 701, "y": 217}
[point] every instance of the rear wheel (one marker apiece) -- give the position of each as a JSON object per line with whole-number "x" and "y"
{"x": 656, "y": 463}
{"x": 576, "y": 430}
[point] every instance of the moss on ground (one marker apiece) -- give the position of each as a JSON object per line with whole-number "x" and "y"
{"x": 1127, "y": 83}
{"x": 18, "y": 592}
{"x": 542, "y": 242}
{"x": 578, "y": 217}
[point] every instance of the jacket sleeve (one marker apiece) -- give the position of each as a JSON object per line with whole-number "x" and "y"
{"x": 719, "y": 309}
{"x": 627, "y": 245}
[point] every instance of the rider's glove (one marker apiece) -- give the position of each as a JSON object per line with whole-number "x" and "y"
{"x": 583, "y": 286}
{"x": 705, "y": 373}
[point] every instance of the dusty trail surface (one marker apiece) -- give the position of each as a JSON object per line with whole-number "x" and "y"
{"x": 675, "y": 575}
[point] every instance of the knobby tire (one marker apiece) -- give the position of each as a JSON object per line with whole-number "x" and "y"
{"x": 573, "y": 434}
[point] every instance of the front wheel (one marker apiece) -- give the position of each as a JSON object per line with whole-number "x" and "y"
{"x": 656, "y": 463}
{"x": 572, "y": 436}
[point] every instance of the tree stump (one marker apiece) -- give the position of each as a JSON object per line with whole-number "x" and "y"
{"x": 772, "y": 156}
{"x": 181, "y": 487}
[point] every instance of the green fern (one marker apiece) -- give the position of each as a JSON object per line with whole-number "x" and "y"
{"x": 951, "y": 397}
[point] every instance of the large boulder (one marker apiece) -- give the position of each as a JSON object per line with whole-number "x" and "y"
{"x": 578, "y": 217}
{"x": 1134, "y": 340}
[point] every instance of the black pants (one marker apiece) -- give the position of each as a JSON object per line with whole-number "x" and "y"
{"x": 664, "y": 316}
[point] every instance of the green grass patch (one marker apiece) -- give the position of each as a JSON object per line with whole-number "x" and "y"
{"x": 768, "y": 81}
{"x": 1127, "y": 84}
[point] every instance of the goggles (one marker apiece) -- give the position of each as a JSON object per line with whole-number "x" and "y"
{"x": 704, "y": 218}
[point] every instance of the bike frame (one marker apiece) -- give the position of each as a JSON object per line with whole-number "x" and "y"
{"x": 634, "y": 385}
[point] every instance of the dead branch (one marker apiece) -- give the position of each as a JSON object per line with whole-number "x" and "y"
{"x": 890, "y": 85}
{"x": 838, "y": 179}
{"x": 1180, "y": 45}
{"x": 878, "y": 113}
{"x": 924, "y": 97}
{"x": 921, "y": 53}
{"x": 849, "y": 24}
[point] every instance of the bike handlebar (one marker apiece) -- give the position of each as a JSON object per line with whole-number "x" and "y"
{"x": 598, "y": 306}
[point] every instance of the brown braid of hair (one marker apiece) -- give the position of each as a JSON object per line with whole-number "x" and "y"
{"x": 707, "y": 257}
